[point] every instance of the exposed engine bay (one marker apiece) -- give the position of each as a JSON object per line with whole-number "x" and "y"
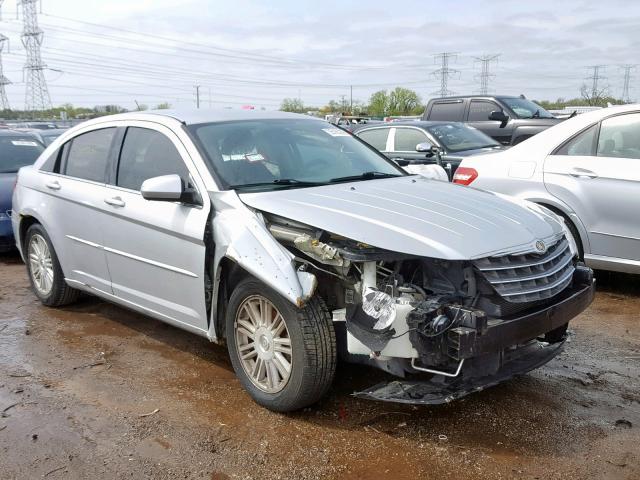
{"x": 457, "y": 321}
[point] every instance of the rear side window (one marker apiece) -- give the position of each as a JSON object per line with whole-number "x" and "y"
{"x": 451, "y": 111}
{"x": 147, "y": 154}
{"x": 407, "y": 139}
{"x": 376, "y": 137}
{"x": 580, "y": 145}
{"x": 620, "y": 136}
{"x": 87, "y": 154}
{"x": 480, "y": 109}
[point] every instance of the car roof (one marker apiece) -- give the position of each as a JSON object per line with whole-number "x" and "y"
{"x": 406, "y": 123}
{"x": 198, "y": 116}
{"x": 461, "y": 97}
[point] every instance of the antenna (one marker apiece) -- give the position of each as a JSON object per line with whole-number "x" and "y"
{"x": 37, "y": 93}
{"x": 444, "y": 72}
{"x": 484, "y": 76}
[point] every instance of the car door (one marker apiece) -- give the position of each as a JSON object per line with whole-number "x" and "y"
{"x": 597, "y": 173}
{"x": 403, "y": 142}
{"x": 77, "y": 189}
{"x": 478, "y": 117}
{"x": 155, "y": 250}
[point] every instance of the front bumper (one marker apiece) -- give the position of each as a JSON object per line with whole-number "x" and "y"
{"x": 501, "y": 350}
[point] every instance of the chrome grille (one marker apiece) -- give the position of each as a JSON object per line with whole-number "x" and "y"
{"x": 530, "y": 276}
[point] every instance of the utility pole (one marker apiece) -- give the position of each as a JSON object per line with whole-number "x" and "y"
{"x": 197, "y": 96}
{"x": 37, "y": 94}
{"x": 351, "y": 99}
{"x": 484, "y": 76}
{"x": 627, "y": 80}
{"x": 595, "y": 79}
{"x": 444, "y": 72}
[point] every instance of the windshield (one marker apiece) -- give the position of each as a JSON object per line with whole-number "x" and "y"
{"x": 524, "y": 108}
{"x": 457, "y": 137}
{"x": 275, "y": 154}
{"x": 17, "y": 152}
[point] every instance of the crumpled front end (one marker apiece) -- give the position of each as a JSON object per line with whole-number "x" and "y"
{"x": 446, "y": 327}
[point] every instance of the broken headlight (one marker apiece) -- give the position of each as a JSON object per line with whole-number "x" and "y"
{"x": 380, "y": 306}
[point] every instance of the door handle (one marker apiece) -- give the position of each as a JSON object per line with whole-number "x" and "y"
{"x": 53, "y": 185}
{"x": 115, "y": 202}
{"x": 582, "y": 173}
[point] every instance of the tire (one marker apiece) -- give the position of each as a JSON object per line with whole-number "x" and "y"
{"x": 309, "y": 332}
{"x": 54, "y": 292}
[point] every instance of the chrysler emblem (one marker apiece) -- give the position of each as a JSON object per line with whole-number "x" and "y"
{"x": 540, "y": 246}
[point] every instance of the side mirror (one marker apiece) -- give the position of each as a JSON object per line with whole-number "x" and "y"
{"x": 167, "y": 188}
{"x": 499, "y": 116}
{"x": 424, "y": 147}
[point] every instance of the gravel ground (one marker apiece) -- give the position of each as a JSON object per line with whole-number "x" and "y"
{"x": 96, "y": 391}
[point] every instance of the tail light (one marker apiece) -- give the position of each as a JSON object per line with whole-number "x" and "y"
{"x": 465, "y": 175}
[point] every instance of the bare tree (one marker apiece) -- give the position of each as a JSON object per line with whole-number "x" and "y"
{"x": 594, "y": 97}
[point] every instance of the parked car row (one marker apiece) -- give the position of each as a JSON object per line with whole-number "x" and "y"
{"x": 294, "y": 241}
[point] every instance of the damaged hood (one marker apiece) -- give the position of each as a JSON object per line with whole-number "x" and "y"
{"x": 415, "y": 216}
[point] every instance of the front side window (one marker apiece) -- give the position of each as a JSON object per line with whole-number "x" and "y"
{"x": 273, "y": 154}
{"x": 458, "y": 137}
{"x": 17, "y": 152}
{"x": 88, "y": 154}
{"x": 376, "y": 137}
{"x": 406, "y": 139}
{"x": 524, "y": 108}
{"x": 620, "y": 136}
{"x": 580, "y": 145}
{"x": 146, "y": 154}
{"x": 479, "y": 110}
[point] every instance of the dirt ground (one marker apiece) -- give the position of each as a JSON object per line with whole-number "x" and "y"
{"x": 95, "y": 391}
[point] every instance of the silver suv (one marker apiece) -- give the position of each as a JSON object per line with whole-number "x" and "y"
{"x": 294, "y": 242}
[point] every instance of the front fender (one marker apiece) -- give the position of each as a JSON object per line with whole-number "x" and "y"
{"x": 240, "y": 235}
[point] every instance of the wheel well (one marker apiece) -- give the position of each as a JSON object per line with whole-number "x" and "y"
{"x": 25, "y": 223}
{"x": 557, "y": 211}
{"x": 230, "y": 275}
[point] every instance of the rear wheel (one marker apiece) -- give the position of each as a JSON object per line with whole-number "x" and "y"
{"x": 284, "y": 356}
{"x": 45, "y": 273}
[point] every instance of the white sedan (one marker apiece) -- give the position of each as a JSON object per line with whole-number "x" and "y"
{"x": 587, "y": 170}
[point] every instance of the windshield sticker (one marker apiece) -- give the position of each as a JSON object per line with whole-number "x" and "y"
{"x": 254, "y": 157}
{"x": 24, "y": 143}
{"x": 336, "y": 132}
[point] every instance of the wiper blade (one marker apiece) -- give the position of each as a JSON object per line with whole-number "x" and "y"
{"x": 364, "y": 176}
{"x": 279, "y": 182}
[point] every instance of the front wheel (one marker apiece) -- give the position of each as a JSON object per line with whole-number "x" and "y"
{"x": 284, "y": 356}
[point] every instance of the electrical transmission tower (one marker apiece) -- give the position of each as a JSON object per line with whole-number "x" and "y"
{"x": 37, "y": 94}
{"x": 484, "y": 76}
{"x": 4, "y": 81}
{"x": 444, "y": 72}
{"x": 627, "y": 79}
{"x": 595, "y": 79}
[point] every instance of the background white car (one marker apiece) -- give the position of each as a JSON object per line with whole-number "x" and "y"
{"x": 587, "y": 170}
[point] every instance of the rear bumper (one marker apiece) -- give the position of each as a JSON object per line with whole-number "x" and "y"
{"x": 497, "y": 352}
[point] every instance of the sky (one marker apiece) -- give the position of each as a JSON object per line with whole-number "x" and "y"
{"x": 250, "y": 52}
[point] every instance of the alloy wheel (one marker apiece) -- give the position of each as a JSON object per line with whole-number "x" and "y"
{"x": 41, "y": 264}
{"x": 263, "y": 344}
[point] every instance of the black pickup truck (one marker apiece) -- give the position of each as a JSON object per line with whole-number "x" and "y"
{"x": 507, "y": 119}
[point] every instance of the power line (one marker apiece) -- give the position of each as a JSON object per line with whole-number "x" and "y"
{"x": 627, "y": 79}
{"x": 37, "y": 94}
{"x": 444, "y": 72}
{"x": 484, "y": 76}
{"x": 4, "y": 81}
